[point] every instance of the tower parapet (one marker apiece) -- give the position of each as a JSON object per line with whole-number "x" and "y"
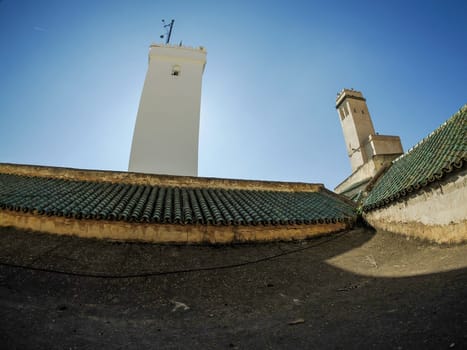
{"x": 348, "y": 93}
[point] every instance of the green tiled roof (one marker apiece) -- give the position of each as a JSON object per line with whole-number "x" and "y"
{"x": 443, "y": 151}
{"x": 170, "y": 205}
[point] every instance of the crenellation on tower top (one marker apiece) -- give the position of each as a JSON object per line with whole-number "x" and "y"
{"x": 344, "y": 93}
{"x": 193, "y": 48}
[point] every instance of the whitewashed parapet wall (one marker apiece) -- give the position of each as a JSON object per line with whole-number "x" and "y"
{"x": 437, "y": 212}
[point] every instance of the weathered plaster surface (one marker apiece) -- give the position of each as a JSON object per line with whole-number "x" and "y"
{"x": 164, "y": 233}
{"x": 382, "y": 145}
{"x": 365, "y": 172}
{"x": 437, "y": 212}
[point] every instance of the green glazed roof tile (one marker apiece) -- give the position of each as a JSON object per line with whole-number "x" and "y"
{"x": 171, "y": 205}
{"x": 442, "y": 152}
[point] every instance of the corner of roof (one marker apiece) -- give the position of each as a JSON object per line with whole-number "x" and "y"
{"x": 459, "y": 114}
{"x": 386, "y": 190}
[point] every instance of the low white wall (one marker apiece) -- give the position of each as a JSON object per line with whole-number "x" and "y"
{"x": 437, "y": 212}
{"x": 365, "y": 172}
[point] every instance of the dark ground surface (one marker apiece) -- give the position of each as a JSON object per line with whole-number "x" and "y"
{"x": 357, "y": 289}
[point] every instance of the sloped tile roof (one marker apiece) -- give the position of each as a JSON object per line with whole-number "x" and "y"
{"x": 170, "y": 205}
{"x": 443, "y": 151}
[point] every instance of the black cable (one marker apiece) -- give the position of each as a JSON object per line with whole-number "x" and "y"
{"x": 173, "y": 272}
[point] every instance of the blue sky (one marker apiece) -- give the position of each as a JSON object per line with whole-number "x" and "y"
{"x": 71, "y": 74}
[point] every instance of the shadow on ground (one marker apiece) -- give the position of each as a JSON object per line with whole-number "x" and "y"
{"x": 356, "y": 289}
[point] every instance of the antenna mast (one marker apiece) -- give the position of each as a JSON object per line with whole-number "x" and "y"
{"x": 168, "y": 30}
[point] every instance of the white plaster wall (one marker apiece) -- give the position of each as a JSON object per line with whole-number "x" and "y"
{"x": 438, "y": 212}
{"x": 165, "y": 139}
{"x": 383, "y": 144}
{"x": 365, "y": 172}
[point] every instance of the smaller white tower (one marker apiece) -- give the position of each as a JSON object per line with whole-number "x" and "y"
{"x": 363, "y": 144}
{"x": 368, "y": 151}
{"x": 356, "y": 124}
{"x": 165, "y": 139}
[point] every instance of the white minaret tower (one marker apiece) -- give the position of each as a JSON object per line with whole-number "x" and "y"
{"x": 165, "y": 140}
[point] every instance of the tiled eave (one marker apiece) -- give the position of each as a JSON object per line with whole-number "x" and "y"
{"x": 168, "y": 204}
{"x": 440, "y": 155}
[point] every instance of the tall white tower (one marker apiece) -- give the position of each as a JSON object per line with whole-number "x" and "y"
{"x": 165, "y": 140}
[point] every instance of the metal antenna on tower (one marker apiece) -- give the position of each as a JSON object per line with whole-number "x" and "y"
{"x": 168, "y": 30}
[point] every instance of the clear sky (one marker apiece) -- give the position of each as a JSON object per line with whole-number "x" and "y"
{"x": 71, "y": 75}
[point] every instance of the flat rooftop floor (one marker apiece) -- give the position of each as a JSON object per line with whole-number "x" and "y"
{"x": 356, "y": 289}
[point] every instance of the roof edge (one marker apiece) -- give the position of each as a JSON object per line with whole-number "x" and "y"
{"x": 445, "y": 173}
{"x": 439, "y": 129}
{"x": 456, "y": 164}
{"x": 154, "y": 179}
